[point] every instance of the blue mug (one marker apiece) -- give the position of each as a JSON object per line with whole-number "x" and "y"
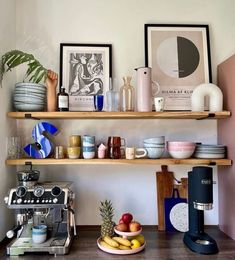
{"x": 39, "y": 234}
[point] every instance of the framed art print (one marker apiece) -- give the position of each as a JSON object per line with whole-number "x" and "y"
{"x": 180, "y": 59}
{"x": 85, "y": 70}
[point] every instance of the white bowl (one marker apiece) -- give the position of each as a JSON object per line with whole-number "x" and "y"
{"x": 155, "y": 140}
{"x": 127, "y": 234}
{"x": 183, "y": 154}
{"x": 155, "y": 152}
{"x": 154, "y": 145}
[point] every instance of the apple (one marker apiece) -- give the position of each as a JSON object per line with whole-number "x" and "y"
{"x": 127, "y": 218}
{"x": 134, "y": 226}
{"x": 122, "y": 227}
{"x": 120, "y": 221}
{"x": 135, "y": 243}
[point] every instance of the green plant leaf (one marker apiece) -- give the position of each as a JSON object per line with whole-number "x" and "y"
{"x": 14, "y": 58}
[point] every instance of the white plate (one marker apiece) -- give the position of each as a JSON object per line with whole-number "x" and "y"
{"x": 127, "y": 234}
{"x": 209, "y": 156}
{"x": 119, "y": 251}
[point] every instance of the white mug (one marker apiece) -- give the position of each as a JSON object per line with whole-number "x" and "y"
{"x": 132, "y": 153}
{"x": 159, "y": 103}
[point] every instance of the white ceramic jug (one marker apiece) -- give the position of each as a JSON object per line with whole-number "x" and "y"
{"x": 146, "y": 89}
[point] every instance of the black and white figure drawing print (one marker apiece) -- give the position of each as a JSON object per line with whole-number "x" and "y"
{"x": 85, "y": 72}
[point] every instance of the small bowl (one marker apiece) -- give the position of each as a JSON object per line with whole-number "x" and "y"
{"x": 155, "y": 140}
{"x": 183, "y": 154}
{"x": 153, "y": 145}
{"x": 155, "y": 152}
{"x": 180, "y": 143}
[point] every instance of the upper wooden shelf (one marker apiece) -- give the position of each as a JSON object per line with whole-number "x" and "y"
{"x": 120, "y": 115}
{"x": 162, "y": 161}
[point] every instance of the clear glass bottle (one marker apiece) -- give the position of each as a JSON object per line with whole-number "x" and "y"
{"x": 112, "y": 98}
{"x": 127, "y": 95}
{"x": 63, "y": 100}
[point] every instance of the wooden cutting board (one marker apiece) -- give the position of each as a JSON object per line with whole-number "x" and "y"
{"x": 164, "y": 183}
{"x": 183, "y": 188}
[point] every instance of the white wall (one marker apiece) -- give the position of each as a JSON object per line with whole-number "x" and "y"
{"x": 43, "y": 25}
{"x": 8, "y": 127}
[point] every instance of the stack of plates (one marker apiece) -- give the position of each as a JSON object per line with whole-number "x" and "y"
{"x": 210, "y": 151}
{"x": 29, "y": 97}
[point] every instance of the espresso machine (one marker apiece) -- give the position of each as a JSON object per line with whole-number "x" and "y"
{"x": 200, "y": 198}
{"x": 48, "y": 203}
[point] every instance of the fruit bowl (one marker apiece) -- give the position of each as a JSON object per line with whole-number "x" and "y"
{"x": 118, "y": 251}
{"x": 127, "y": 234}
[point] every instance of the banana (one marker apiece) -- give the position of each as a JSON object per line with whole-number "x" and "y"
{"x": 104, "y": 244}
{"x": 122, "y": 241}
{"x": 110, "y": 241}
{"x": 124, "y": 247}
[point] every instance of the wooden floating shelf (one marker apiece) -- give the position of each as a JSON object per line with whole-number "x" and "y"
{"x": 120, "y": 115}
{"x": 163, "y": 161}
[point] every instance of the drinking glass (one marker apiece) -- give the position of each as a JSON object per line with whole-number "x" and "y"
{"x": 98, "y": 102}
{"x": 14, "y": 149}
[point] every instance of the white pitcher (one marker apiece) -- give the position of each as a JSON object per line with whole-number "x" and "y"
{"x": 146, "y": 89}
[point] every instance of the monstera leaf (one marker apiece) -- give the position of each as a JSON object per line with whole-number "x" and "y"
{"x": 35, "y": 72}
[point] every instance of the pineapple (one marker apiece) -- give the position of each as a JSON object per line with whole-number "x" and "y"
{"x": 106, "y": 212}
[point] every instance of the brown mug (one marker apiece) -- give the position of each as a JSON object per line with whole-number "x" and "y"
{"x": 115, "y": 147}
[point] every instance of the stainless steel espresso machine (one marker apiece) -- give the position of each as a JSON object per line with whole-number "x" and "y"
{"x": 50, "y": 204}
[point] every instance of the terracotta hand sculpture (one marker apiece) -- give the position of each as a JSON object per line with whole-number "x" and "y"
{"x": 51, "y": 84}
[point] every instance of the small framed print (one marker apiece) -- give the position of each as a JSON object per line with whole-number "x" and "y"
{"x": 180, "y": 59}
{"x": 85, "y": 70}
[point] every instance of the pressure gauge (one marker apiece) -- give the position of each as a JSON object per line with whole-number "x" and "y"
{"x": 21, "y": 191}
{"x": 38, "y": 191}
{"x": 56, "y": 191}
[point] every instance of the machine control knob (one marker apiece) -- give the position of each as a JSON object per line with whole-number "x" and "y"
{"x": 56, "y": 191}
{"x": 19, "y": 201}
{"x": 55, "y": 200}
{"x": 21, "y": 191}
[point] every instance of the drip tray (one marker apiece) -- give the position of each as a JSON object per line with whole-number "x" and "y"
{"x": 203, "y": 242}
{"x": 27, "y": 242}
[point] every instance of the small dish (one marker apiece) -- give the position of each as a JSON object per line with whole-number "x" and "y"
{"x": 118, "y": 251}
{"x": 127, "y": 234}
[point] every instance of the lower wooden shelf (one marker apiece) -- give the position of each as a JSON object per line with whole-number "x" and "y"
{"x": 162, "y": 161}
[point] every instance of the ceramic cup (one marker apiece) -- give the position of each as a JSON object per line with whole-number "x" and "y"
{"x": 39, "y": 234}
{"x": 132, "y": 153}
{"x": 88, "y": 140}
{"x": 75, "y": 140}
{"x": 88, "y": 155}
{"x": 73, "y": 152}
{"x": 59, "y": 152}
{"x": 159, "y": 103}
{"x": 116, "y": 147}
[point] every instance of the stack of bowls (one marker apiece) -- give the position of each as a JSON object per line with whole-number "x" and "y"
{"x": 209, "y": 151}
{"x": 181, "y": 149}
{"x": 29, "y": 97}
{"x": 155, "y": 146}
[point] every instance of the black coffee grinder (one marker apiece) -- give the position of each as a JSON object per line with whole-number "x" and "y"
{"x": 200, "y": 198}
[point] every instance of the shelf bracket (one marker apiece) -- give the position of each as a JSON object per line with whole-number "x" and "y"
{"x": 212, "y": 163}
{"x": 210, "y": 115}
{"x": 29, "y": 116}
{"x": 29, "y": 163}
